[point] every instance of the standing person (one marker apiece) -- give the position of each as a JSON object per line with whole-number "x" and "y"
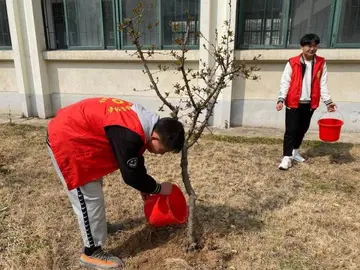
{"x": 303, "y": 83}
{"x": 94, "y": 137}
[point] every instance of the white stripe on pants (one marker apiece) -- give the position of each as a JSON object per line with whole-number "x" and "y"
{"x": 89, "y": 206}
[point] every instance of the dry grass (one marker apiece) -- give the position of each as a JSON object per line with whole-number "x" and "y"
{"x": 250, "y": 215}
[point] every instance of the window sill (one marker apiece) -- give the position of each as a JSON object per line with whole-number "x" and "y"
{"x": 281, "y": 55}
{"x": 6, "y": 55}
{"x": 107, "y": 55}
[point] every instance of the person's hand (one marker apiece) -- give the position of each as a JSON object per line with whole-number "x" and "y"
{"x": 166, "y": 188}
{"x": 144, "y": 196}
{"x": 331, "y": 107}
{"x": 279, "y": 106}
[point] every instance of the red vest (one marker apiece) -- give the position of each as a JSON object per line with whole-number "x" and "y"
{"x": 295, "y": 88}
{"x": 78, "y": 141}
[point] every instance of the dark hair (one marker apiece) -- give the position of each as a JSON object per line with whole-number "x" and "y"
{"x": 309, "y": 38}
{"x": 171, "y": 133}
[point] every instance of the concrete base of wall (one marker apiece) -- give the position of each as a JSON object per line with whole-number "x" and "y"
{"x": 262, "y": 113}
{"x": 11, "y": 102}
{"x": 16, "y": 103}
{"x": 253, "y": 113}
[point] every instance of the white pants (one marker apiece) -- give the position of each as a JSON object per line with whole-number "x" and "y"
{"x": 89, "y": 206}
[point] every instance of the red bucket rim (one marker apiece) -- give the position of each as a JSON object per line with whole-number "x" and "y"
{"x": 340, "y": 123}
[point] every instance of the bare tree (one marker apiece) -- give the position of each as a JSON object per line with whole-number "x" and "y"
{"x": 196, "y": 102}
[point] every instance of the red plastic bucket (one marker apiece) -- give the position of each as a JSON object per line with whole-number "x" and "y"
{"x": 163, "y": 210}
{"x": 330, "y": 129}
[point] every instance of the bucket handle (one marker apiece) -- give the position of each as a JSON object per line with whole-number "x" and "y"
{"x": 336, "y": 111}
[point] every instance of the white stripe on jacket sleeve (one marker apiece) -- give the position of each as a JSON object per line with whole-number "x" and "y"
{"x": 324, "y": 91}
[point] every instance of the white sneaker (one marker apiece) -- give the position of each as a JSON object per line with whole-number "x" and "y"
{"x": 285, "y": 163}
{"x": 296, "y": 156}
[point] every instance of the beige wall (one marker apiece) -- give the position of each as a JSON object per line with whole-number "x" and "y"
{"x": 266, "y": 87}
{"x": 7, "y": 77}
{"x": 107, "y": 78}
{"x": 343, "y": 74}
{"x": 253, "y": 102}
{"x": 343, "y": 82}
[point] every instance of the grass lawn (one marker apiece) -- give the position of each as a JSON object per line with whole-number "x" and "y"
{"x": 250, "y": 214}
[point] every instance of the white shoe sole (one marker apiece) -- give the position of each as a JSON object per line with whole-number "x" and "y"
{"x": 299, "y": 160}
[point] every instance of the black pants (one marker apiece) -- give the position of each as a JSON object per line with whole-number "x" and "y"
{"x": 297, "y": 122}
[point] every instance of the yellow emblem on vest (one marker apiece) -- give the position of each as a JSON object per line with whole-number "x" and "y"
{"x": 124, "y": 106}
{"x": 117, "y": 101}
{"x": 119, "y": 109}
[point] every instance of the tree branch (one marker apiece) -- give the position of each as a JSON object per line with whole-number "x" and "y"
{"x": 182, "y": 66}
{"x": 147, "y": 70}
{"x": 193, "y": 126}
{"x": 217, "y": 88}
{"x": 205, "y": 122}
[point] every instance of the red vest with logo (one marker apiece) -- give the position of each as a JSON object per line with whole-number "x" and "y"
{"x": 295, "y": 88}
{"x": 78, "y": 140}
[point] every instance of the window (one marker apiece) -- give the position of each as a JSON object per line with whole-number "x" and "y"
{"x": 84, "y": 24}
{"x": 109, "y": 23}
{"x": 149, "y": 36}
{"x": 92, "y": 24}
{"x": 262, "y": 23}
{"x": 309, "y": 16}
{"x": 281, "y": 23}
{"x": 173, "y": 15}
{"x": 174, "y": 20}
{"x": 79, "y": 24}
{"x": 349, "y": 24}
{"x": 5, "y": 40}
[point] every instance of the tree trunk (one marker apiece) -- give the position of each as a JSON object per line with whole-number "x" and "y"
{"x": 192, "y": 244}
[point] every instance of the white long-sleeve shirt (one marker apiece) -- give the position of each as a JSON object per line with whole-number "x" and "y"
{"x": 306, "y": 85}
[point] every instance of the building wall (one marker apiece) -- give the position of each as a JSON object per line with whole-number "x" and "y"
{"x": 7, "y": 77}
{"x": 72, "y": 81}
{"x": 74, "y": 75}
{"x": 253, "y": 102}
{"x": 36, "y": 82}
{"x": 9, "y": 98}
